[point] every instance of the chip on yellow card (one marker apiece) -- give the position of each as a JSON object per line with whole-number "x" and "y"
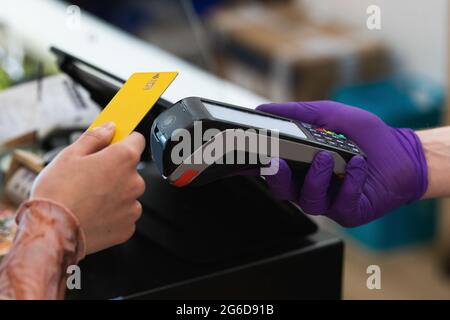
{"x": 136, "y": 97}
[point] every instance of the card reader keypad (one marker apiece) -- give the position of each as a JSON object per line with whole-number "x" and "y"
{"x": 331, "y": 138}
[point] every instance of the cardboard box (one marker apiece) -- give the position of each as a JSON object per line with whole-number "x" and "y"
{"x": 24, "y": 167}
{"x": 278, "y": 52}
{"x": 16, "y": 185}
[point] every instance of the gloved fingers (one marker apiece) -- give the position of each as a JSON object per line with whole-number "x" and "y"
{"x": 282, "y": 183}
{"x": 347, "y": 209}
{"x": 366, "y": 209}
{"x": 313, "y": 196}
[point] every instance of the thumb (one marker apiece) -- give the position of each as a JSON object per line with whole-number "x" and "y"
{"x": 94, "y": 140}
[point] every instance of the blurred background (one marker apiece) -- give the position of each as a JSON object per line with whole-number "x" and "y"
{"x": 279, "y": 51}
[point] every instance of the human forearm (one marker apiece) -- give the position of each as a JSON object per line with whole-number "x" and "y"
{"x": 93, "y": 187}
{"x": 48, "y": 240}
{"x": 436, "y": 144}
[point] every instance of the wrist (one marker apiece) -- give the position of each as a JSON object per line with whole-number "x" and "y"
{"x": 436, "y": 146}
{"x": 50, "y": 217}
{"x": 47, "y": 241}
{"x": 414, "y": 147}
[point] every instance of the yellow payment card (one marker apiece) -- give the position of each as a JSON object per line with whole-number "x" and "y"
{"x": 136, "y": 97}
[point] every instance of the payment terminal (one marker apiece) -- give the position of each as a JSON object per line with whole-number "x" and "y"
{"x": 213, "y": 132}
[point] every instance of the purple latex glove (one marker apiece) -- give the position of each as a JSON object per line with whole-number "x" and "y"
{"x": 395, "y": 172}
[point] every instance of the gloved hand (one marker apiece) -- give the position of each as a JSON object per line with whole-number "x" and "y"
{"x": 395, "y": 172}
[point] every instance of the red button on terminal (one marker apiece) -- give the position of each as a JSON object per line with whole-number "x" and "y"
{"x": 185, "y": 178}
